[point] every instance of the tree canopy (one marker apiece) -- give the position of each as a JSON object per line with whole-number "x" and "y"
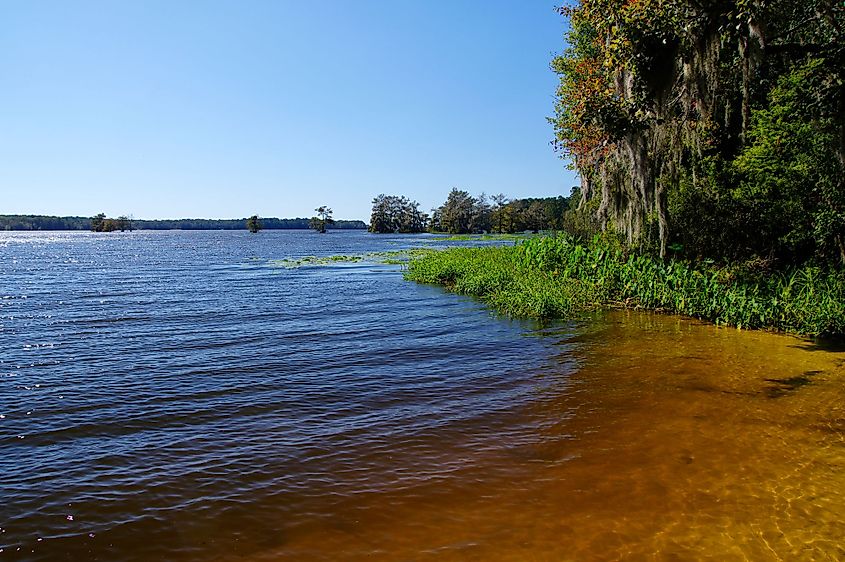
{"x": 395, "y": 213}
{"x": 717, "y": 128}
{"x": 323, "y": 219}
{"x": 462, "y": 213}
{"x": 253, "y": 224}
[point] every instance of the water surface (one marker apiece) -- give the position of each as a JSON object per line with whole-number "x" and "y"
{"x": 181, "y": 396}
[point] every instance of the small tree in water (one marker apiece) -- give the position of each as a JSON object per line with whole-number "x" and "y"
{"x": 253, "y": 224}
{"x": 322, "y": 220}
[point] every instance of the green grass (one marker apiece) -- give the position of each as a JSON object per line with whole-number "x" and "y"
{"x": 485, "y": 237}
{"x": 557, "y": 277}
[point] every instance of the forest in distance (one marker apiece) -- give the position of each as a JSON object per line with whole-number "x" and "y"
{"x": 461, "y": 213}
{"x": 41, "y": 222}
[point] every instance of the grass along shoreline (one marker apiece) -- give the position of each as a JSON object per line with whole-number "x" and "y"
{"x": 556, "y": 276}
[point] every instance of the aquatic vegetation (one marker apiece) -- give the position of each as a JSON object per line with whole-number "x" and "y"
{"x": 557, "y": 276}
{"x": 393, "y": 257}
{"x": 482, "y": 237}
{"x": 290, "y": 263}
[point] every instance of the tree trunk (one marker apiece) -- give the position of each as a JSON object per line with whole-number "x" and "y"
{"x": 745, "y": 56}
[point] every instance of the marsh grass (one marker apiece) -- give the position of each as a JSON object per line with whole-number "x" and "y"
{"x": 556, "y": 276}
{"x": 483, "y": 237}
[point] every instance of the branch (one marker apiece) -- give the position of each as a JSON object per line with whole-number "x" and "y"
{"x": 797, "y": 48}
{"x": 796, "y": 27}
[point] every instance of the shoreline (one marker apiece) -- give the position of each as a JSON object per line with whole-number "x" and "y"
{"x": 557, "y": 277}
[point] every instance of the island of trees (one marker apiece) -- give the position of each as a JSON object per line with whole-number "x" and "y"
{"x": 253, "y": 224}
{"x": 323, "y": 220}
{"x": 101, "y": 223}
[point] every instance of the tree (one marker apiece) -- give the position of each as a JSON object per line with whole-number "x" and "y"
{"x": 97, "y": 222}
{"x": 662, "y": 106}
{"x": 322, "y": 220}
{"x": 253, "y": 224}
{"x": 393, "y": 213}
{"x": 122, "y": 223}
{"x": 100, "y": 223}
{"x": 535, "y": 216}
{"x": 497, "y": 214}
{"x": 456, "y": 214}
{"x": 787, "y": 176}
{"x": 434, "y": 223}
{"x": 481, "y": 215}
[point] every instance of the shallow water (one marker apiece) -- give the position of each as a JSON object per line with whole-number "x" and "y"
{"x": 179, "y": 396}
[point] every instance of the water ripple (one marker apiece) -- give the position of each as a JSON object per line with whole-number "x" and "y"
{"x": 154, "y": 378}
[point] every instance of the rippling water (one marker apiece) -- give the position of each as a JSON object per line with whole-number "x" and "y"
{"x": 179, "y": 395}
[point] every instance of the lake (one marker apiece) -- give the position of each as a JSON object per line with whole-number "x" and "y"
{"x": 193, "y": 396}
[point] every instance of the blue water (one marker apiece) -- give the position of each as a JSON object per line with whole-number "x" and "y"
{"x": 182, "y": 395}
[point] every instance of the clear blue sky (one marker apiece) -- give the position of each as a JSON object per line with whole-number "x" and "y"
{"x": 167, "y": 109}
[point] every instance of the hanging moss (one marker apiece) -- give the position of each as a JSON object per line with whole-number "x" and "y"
{"x": 653, "y": 91}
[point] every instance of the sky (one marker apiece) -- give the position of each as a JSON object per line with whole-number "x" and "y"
{"x": 224, "y": 109}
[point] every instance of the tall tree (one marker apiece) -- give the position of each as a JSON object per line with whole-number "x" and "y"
{"x": 497, "y": 214}
{"x": 456, "y": 214}
{"x": 97, "y": 222}
{"x": 657, "y": 99}
{"x": 323, "y": 219}
{"x": 392, "y": 213}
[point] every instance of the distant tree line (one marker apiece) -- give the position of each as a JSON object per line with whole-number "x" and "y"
{"x": 40, "y": 222}
{"x": 463, "y": 213}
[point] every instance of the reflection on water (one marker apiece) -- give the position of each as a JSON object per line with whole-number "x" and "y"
{"x": 175, "y": 396}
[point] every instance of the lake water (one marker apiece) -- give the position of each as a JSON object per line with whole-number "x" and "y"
{"x": 187, "y": 396}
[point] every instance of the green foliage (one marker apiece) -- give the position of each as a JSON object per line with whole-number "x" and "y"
{"x": 98, "y": 222}
{"x": 581, "y": 222}
{"x": 482, "y": 237}
{"x": 465, "y": 214}
{"x": 41, "y": 222}
{"x": 393, "y": 257}
{"x": 457, "y": 215}
{"x": 714, "y": 128}
{"x": 558, "y": 276}
{"x": 323, "y": 219}
{"x": 253, "y": 224}
{"x": 393, "y": 213}
{"x": 787, "y": 175}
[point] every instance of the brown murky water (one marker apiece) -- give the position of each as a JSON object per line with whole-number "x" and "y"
{"x": 674, "y": 440}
